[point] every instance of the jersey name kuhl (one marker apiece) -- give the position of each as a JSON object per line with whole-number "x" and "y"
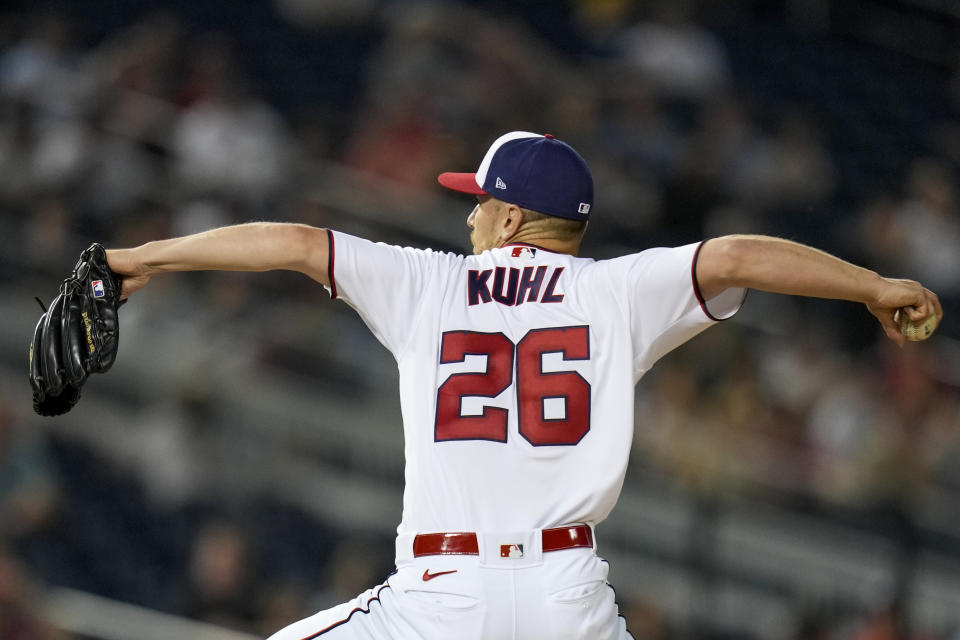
{"x": 517, "y": 371}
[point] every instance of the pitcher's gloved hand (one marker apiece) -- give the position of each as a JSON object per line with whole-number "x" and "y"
{"x": 77, "y": 335}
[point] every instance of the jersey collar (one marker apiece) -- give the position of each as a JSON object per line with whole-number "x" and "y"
{"x": 532, "y": 246}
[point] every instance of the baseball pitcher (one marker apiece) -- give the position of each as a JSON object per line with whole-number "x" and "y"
{"x": 517, "y": 372}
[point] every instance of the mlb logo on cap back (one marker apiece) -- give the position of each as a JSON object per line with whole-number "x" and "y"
{"x": 532, "y": 171}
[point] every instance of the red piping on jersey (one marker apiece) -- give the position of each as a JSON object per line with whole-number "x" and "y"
{"x": 535, "y": 246}
{"x": 696, "y": 283}
{"x": 330, "y": 260}
{"x": 350, "y": 615}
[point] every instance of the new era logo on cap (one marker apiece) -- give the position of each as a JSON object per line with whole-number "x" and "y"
{"x": 532, "y": 171}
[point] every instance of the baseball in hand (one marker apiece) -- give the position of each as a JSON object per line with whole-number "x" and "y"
{"x": 915, "y": 332}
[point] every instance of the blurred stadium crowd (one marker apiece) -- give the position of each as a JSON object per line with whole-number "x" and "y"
{"x": 214, "y": 473}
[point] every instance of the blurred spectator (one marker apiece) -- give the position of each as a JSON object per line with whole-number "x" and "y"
{"x": 708, "y": 163}
{"x": 796, "y": 372}
{"x": 814, "y": 626}
{"x": 39, "y": 68}
{"x": 210, "y": 67}
{"x": 124, "y": 174}
{"x": 637, "y": 128}
{"x": 202, "y": 214}
{"x": 137, "y": 68}
{"x": 219, "y": 588}
{"x": 29, "y": 487}
{"x": 279, "y": 605}
{"x": 19, "y": 617}
{"x": 38, "y": 57}
{"x": 430, "y": 90}
{"x": 169, "y": 448}
{"x": 676, "y": 438}
{"x": 928, "y": 423}
{"x": 47, "y": 227}
{"x": 946, "y": 133}
{"x": 600, "y": 21}
{"x": 403, "y": 146}
{"x": 140, "y": 65}
{"x": 680, "y": 58}
{"x": 39, "y": 155}
{"x": 791, "y": 169}
{"x": 645, "y": 620}
{"x": 879, "y": 235}
{"x": 929, "y": 221}
{"x": 850, "y": 431}
{"x": 354, "y": 565}
{"x": 886, "y": 623}
{"x": 60, "y": 154}
{"x": 228, "y": 143}
{"x": 17, "y": 138}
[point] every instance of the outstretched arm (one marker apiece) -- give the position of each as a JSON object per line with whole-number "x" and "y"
{"x": 782, "y": 266}
{"x": 258, "y": 246}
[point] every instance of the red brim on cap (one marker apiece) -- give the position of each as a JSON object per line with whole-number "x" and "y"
{"x": 462, "y": 182}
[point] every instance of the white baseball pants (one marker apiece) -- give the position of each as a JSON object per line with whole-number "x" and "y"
{"x": 558, "y": 595}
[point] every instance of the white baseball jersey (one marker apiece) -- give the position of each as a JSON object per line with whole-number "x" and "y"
{"x": 517, "y": 371}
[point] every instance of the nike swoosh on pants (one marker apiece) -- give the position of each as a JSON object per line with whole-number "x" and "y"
{"x": 430, "y": 576}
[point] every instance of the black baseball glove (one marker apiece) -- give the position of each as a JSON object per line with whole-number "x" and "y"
{"x": 77, "y": 335}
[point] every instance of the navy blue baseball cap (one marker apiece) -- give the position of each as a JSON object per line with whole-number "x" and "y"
{"x": 533, "y": 171}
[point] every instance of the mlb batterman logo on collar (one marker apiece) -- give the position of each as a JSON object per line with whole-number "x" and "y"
{"x": 532, "y": 171}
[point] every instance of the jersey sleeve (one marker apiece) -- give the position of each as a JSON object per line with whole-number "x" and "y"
{"x": 385, "y": 284}
{"x": 657, "y": 290}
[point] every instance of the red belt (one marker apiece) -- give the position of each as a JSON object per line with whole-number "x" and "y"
{"x": 465, "y": 544}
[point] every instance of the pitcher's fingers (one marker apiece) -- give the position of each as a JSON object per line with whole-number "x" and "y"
{"x": 890, "y": 327}
{"x": 921, "y": 309}
{"x": 935, "y": 301}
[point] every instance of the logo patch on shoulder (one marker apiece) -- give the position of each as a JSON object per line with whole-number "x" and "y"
{"x": 98, "y": 291}
{"x": 523, "y": 252}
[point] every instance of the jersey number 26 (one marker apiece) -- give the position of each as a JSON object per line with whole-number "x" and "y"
{"x": 534, "y": 386}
